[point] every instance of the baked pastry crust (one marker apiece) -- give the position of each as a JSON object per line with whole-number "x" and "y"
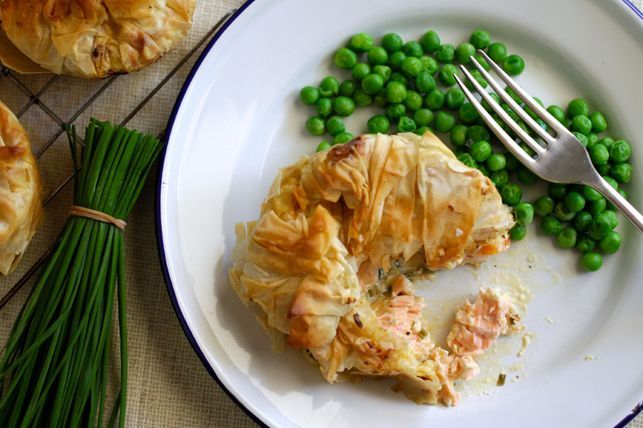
{"x": 20, "y": 191}
{"x": 92, "y": 38}
{"x": 336, "y": 224}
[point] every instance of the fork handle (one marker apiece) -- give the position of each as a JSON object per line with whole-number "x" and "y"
{"x": 619, "y": 201}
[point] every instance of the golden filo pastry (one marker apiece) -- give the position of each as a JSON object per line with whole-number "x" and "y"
{"x": 90, "y": 38}
{"x": 20, "y": 191}
{"x": 339, "y": 232}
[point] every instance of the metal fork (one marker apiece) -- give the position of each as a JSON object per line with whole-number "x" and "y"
{"x": 560, "y": 158}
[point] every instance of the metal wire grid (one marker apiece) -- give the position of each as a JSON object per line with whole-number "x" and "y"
{"x": 35, "y": 98}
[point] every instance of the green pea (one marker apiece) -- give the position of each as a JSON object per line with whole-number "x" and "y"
{"x": 372, "y": 84}
{"x": 445, "y": 54}
{"x": 424, "y": 82}
{"x": 324, "y": 107}
{"x": 599, "y": 154}
{"x": 550, "y": 225}
{"x": 603, "y": 169}
{"x": 345, "y": 58}
{"x": 585, "y": 244}
{"x": 329, "y": 86}
{"x": 577, "y": 107}
{"x": 518, "y": 232}
{"x": 484, "y": 170}
{"x": 622, "y": 172}
{"x": 581, "y": 138}
{"x": 347, "y": 88}
{"x": 406, "y": 124}
{"x": 524, "y": 213}
{"x": 610, "y": 217}
{"x": 315, "y": 125}
{"x": 592, "y": 139}
{"x": 413, "y": 100}
{"x": 378, "y": 124}
{"x": 434, "y": 100}
{"x": 343, "y": 138}
{"x": 480, "y": 150}
{"x": 384, "y": 71}
{"x": 361, "y": 98}
{"x": 396, "y": 76}
{"x": 511, "y": 193}
{"x": 513, "y": 65}
{"x": 360, "y": 71}
{"x": 483, "y": 62}
{"x": 525, "y": 176}
{"x": 574, "y": 201}
{"x": 377, "y": 55}
{"x": 497, "y": 162}
{"x": 396, "y": 60}
{"x": 563, "y": 213}
{"x": 477, "y": 133}
{"x": 590, "y": 194}
{"x": 599, "y": 123}
{"x": 557, "y": 112}
{"x": 380, "y": 99}
{"x": 464, "y": 51}
{"x": 591, "y": 261}
{"x": 335, "y": 125}
{"x": 423, "y": 117}
{"x": 597, "y": 207}
{"x": 499, "y": 178}
{"x": 557, "y": 191}
{"x": 343, "y": 106}
{"x": 582, "y": 220}
{"x": 620, "y": 151}
{"x": 413, "y": 48}
{"x": 395, "y": 92}
{"x": 466, "y": 159}
{"x": 392, "y": 42}
{"x": 623, "y": 193}
{"x": 481, "y": 39}
{"x": 411, "y": 66}
{"x": 454, "y": 98}
{"x": 600, "y": 226}
{"x": 309, "y": 95}
{"x": 430, "y": 41}
{"x": 422, "y": 130}
{"x": 395, "y": 111}
{"x": 607, "y": 142}
{"x": 582, "y": 124}
{"x": 468, "y": 113}
{"x": 444, "y": 122}
{"x": 458, "y": 135}
{"x": 429, "y": 64}
{"x": 512, "y": 162}
{"x": 497, "y": 51}
{"x": 361, "y": 42}
{"x": 477, "y": 76}
{"x": 543, "y": 206}
{"x": 566, "y": 238}
{"x": 324, "y": 145}
{"x": 610, "y": 243}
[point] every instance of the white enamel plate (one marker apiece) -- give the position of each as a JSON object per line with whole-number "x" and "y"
{"x": 238, "y": 120}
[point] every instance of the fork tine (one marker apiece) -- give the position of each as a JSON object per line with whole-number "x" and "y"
{"x": 513, "y": 104}
{"x": 509, "y": 143}
{"x": 522, "y": 134}
{"x": 541, "y": 112}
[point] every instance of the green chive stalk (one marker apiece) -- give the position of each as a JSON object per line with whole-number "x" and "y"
{"x": 55, "y": 365}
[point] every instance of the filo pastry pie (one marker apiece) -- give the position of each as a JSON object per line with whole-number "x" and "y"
{"x": 339, "y": 234}
{"x": 20, "y": 191}
{"x": 90, "y": 38}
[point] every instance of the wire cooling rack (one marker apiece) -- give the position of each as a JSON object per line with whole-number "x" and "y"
{"x": 36, "y": 98}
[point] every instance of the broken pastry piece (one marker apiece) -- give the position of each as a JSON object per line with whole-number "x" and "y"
{"x": 325, "y": 261}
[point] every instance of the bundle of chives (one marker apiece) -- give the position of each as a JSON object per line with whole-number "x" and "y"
{"x": 54, "y": 367}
